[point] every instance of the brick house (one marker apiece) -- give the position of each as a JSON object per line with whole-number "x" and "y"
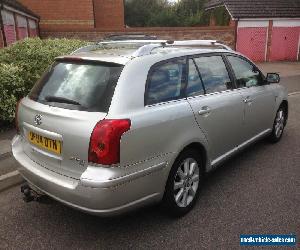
{"x": 266, "y": 30}
{"x": 16, "y": 22}
{"x": 77, "y": 15}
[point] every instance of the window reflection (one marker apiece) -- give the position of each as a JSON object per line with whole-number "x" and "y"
{"x": 213, "y": 73}
{"x": 245, "y": 73}
{"x": 165, "y": 82}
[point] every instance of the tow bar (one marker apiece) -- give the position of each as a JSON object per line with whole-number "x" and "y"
{"x": 30, "y": 194}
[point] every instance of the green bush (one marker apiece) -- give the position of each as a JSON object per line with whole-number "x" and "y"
{"x": 22, "y": 64}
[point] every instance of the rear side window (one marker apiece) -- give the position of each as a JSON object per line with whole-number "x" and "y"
{"x": 165, "y": 82}
{"x": 213, "y": 73}
{"x": 84, "y": 86}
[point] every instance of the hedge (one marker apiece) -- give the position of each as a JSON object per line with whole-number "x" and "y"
{"x": 22, "y": 64}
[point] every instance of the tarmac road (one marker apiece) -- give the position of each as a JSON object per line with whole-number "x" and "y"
{"x": 256, "y": 192}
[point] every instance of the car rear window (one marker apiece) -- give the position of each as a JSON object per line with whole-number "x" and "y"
{"x": 81, "y": 85}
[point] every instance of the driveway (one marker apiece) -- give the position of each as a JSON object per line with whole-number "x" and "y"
{"x": 288, "y": 71}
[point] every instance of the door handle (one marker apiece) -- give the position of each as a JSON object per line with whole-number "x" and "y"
{"x": 248, "y": 100}
{"x": 204, "y": 111}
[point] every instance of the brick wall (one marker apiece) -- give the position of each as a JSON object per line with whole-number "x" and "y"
{"x": 109, "y": 13}
{"x": 63, "y": 14}
{"x": 223, "y": 33}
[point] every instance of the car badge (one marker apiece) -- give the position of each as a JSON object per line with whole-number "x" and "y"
{"x": 38, "y": 119}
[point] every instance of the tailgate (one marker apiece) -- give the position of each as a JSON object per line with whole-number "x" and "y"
{"x": 57, "y": 138}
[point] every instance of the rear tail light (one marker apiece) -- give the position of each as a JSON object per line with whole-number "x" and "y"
{"x": 16, "y": 117}
{"x": 105, "y": 141}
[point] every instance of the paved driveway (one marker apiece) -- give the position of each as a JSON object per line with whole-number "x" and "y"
{"x": 289, "y": 73}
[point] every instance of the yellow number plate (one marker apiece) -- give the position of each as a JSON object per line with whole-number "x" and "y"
{"x": 45, "y": 143}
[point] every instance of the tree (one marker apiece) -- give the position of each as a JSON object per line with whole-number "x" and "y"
{"x": 139, "y": 12}
{"x": 190, "y": 12}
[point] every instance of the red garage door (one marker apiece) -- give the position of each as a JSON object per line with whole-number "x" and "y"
{"x": 252, "y": 42}
{"x": 9, "y": 27}
{"x": 10, "y": 34}
{"x": 32, "y": 28}
{"x": 22, "y": 27}
{"x": 285, "y": 43}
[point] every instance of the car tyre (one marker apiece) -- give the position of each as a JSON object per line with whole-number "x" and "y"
{"x": 278, "y": 126}
{"x": 184, "y": 182}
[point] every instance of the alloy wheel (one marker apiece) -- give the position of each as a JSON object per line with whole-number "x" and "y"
{"x": 279, "y": 123}
{"x": 186, "y": 182}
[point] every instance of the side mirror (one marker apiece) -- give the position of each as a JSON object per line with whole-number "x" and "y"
{"x": 273, "y": 78}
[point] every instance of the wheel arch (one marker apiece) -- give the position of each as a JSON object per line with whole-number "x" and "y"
{"x": 194, "y": 145}
{"x": 199, "y": 147}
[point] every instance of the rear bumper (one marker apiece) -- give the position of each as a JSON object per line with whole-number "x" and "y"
{"x": 104, "y": 196}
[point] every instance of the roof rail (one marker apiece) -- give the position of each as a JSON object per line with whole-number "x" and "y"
{"x": 148, "y": 48}
{"x": 130, "y": 42}
{"x": 118, "y": 43}
{"x": 201, "y": 43}
{"x": 122, "y": 37}
{"x": 145, "y": 47}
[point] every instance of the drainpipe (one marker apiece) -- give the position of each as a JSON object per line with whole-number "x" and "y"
{"x": 236, "y": 33}
{"x": 2, "y": 26}
{"x": 125, "y": 26}
{"x": 38, "y": 28}
{"x": 94, "y": 14}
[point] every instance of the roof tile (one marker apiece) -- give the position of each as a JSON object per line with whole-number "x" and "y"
{"x": 259, "y": 8}
{"x": 18, "y": 6}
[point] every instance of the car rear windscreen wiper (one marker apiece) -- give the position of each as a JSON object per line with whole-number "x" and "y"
{"x": 61, "y": 100}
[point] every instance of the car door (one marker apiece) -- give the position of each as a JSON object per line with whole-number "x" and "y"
{"x": 166, "y": 123}
{"x": 218, "y": 109}
{"x": 258, "y": 97}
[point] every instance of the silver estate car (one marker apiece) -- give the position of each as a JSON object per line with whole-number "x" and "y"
{"x": 121, "y": 124}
